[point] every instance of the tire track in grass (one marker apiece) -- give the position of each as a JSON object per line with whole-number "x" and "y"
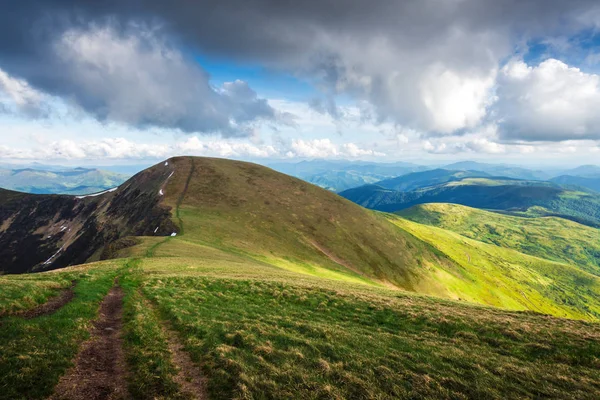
{"x": 99, "y": 371}
{"x": 53, "y": 304}
{"x": 189, "y": 378}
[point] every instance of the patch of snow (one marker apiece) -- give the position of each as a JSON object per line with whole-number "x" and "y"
{"x": 166, "y": 163}
{"x": 48, "y": 261}
{"x": 160, "y": 192}
{"x": 97, "y": 194}
{"x": 174, "y": 234}
{"x": 62, "y": 228}
{"x": 170, "y": 175}
{"x": 156, "y": 229}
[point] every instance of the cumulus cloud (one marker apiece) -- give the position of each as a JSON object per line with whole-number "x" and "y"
{"x": 121, "y": 148}
{"x": 426, "y": 64}
{"x": 548, "y": 102}
{"x": 325, "y": 148}
{"x": 17, "y": 95}
{"x": 136, "y": 78}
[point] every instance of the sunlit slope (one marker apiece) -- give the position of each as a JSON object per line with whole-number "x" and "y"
{"x": 547, "y": 237}
{"x": 506, "y": 278}
{"x": 257, "y": 331}
{"x": 253, "y": 211}
{"x": 249, "y": 214}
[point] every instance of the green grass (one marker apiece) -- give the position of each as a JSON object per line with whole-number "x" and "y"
{"x": 151, "y": 369}
{"x": 257, "y": 338}
{"x": 20, "y": 293}
{"x": 258, "y": 331}
{"x": 551, "y": 238}
{"x": 506, "y": 278}
{"x": 35, "y": 353}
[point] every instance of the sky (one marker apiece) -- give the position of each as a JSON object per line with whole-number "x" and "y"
{"x": 426, "y": 81}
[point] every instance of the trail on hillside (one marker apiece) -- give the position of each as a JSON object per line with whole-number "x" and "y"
{"x": 99, "y": 370}
{"x": 51, "y": 306}
{"x": 191, "y": 381}
{"x": 189, "y": 378}
{"x": 182, "y": 195}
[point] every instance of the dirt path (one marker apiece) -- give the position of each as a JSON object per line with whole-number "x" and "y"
{"x": 51, "y": 306}
{"x": 182, "y": 195}
{"x": 99, "y": 370}
{"x": 189, "y": 378}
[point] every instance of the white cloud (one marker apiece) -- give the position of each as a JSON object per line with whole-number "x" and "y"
{"x": 548, "y": 102}
{"x": 325, "y": 148}
{"x": 141, "y": 80}
{"x": 455, "y": 101}
{"x": 121, "y": 148}
{"x": 18, "y": 94}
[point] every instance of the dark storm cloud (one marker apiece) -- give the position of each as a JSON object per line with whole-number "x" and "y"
{"x": 428, "y": 64}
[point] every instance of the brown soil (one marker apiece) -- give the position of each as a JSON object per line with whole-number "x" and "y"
{"x": 99, "y": 370}
{"x": 189, "y": 378}
{"x": 51, "y": 306}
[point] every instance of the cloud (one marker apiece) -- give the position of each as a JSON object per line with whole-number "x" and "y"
{"x": 121, "y": 148}
{"x": 138, "y": 79}
{"x": 325, "y": 148}
{"x": 429, "y": 65}
{"x": 548, "y": 102}
{"x": 17, "y": 95}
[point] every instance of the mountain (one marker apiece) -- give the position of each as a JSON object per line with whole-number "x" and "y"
{"x": 266, "y": 217}
{"x": 417, "y": 180}
{"x": 578, "y": 181}
{"x": 59, "y": 181}
{"x": 586, "y": 171}
{"x": 339, "y": 175}
{"x": 507, "y": 171}
{"x": 533, "y": 198}
{"x": 231, "y": 205}
{"x": 42, "y": 232}
{"x": 276, "y": 288}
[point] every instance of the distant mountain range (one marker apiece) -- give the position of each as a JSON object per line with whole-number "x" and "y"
{"x": 340, "y": 175}
{"x": 523, "y": 197}
{"x": 76, "y": 181}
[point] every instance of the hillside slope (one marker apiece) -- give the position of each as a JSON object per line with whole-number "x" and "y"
{"x": 592, "y": 183}
{"x": 418, "y": 180}
{"x": 255, "y": 215}
{"x": 237, "y": 206}
{"x": 551, "y": 238}
{"x": 536, "y": 197}
{"x": 249, "y": 209}
{"x": 42, "y": 232}
{"x": 254, "y": 331}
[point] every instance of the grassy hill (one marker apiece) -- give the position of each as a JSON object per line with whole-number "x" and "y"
{"x": 510, "y": 171}
{"x": 418, "y": 180}
{"x": 591, "y": 183}
{"x": 536, "y": 197}
{"x": 275, "y": 288}
{"x": 551, "y": 238}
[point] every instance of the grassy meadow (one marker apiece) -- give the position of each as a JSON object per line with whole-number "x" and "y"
{"x": 257, "y": 331}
